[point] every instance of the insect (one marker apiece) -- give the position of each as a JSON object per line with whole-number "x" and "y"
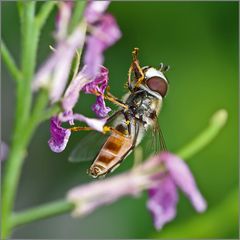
{"x": 138, "y": 111}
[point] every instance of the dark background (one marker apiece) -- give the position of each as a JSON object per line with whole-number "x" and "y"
{"x": 199, "y": 40}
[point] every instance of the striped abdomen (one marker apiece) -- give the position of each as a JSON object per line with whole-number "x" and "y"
{"x": 111, "y": 154}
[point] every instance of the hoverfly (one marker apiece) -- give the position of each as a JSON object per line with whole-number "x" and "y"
{"x": 137, "y": 112}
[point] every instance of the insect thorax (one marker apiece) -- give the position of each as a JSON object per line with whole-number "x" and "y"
{"x": 144, "y": 107}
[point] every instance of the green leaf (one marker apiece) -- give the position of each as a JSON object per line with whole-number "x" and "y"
{"x": 77, "y": 14}
{"x": 44, "y": 13}
{"x": 10, "y": 63}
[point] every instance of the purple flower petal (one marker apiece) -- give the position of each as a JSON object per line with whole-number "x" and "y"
{"x": 184, "y": 179}
{"x": 162, "y": 202}
{"x": 99, "y": 85}
{"x": 94, "y": 55}
{"x": 87, "y": 198}
{"x": 54, "y": 73}
{"x": 62, "y": 19}
{"x": 100, "y": 107}
{"x": 104, "y": 34}
{"x": 107, "y": 30}
{"x": 72, "y": 93}
{"x": 95, "y": 10}
{"x": 59, "y": 136}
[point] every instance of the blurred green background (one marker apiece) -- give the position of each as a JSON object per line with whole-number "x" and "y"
{"x": 199, "y": 40}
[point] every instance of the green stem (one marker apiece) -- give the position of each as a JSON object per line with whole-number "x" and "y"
{"x": 10, "y": 63}
{"x": 41, "y": 212}
{"x": 216, "y": 123}
{"x": 25, "y": 121}
{"x": 28, "y": 59}
{"x": 77, "y": 14}
{"x": 22, "y": 132}
{"x": 15, "y": 161}
{"x": 44, "y": 12}
{"x": 49, "y": 210}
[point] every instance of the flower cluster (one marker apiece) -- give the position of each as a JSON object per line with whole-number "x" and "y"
{"x": 98, "y": 31}
{"x": 160, "y": 175}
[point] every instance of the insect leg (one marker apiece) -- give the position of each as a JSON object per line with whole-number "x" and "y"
{"x": 138, "y": 154}
{"x": 114, "y": 99}
{"x": 77, "y": 129}
{"x": 137, "y": 69}
{"x": 108, "y": 96}
{"x": 116, "y": 114}
{"x": 128, "y": 123}
{"x": 136, "y": 132}
{"x": 107, "y": 129}
{"x": 129, "y": 84}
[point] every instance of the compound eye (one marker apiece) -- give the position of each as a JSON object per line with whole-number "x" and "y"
{"x": 158, "y": 84}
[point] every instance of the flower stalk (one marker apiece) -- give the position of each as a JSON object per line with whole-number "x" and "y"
{"x": 26, "y": 120}
{"x": 41, "y": 212}
{"x": 216, "y": 123}
{"x": 49, "y": 210}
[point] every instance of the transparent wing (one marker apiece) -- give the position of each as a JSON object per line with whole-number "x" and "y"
{"x": 158, "y": 138}
{"x": 90, "y": 145}
{"x": 156, "y": 142}
{"x": 162, "y": 140}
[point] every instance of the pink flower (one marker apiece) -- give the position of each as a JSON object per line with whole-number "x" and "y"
{"x": 161, "y": 175}
{"x": 82, "y": 82}
{"x": 100, "y": 107}
{"x": 95, "y": 10}
{"x": 163, "y": 198}
{"x": 93, "y": 78}
{"x": 59, "y": 136}
{"x": 71, "y": 94}
{"x": 99, "y": 85}
{"x": 54, "y": 73}
{"x": 62, "y": 19}
{"x": 104, "y": 33}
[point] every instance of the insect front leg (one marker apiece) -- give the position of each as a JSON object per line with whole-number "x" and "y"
{"x": 136, "y": 68}
{"x": 110, "y": 97}
{"x": 129, "y": 81}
